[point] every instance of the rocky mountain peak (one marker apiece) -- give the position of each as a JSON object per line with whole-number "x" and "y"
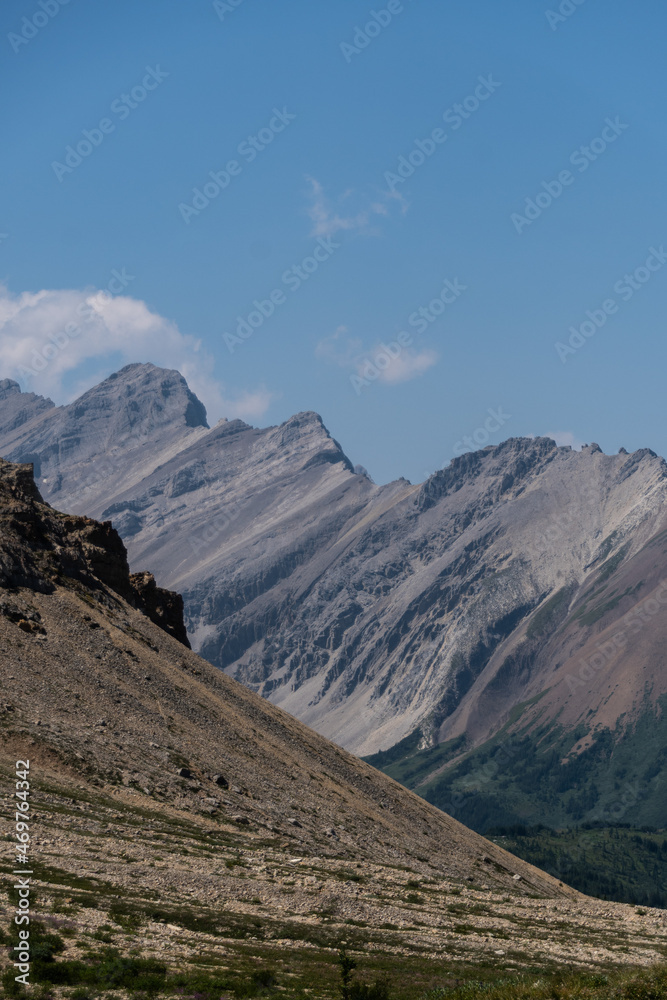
{"x": 80, "y": 449}
{"x": 8, "y": 387}
{"x": 365, "y": 610}
{"x": 40, "y": 548}
{"x": 146, "y": 391}
{"x": 264, "y": 834}
{"x": 506, "y": 463}
{"x": 306, "y": 431}
{"x": 18, "y": 408}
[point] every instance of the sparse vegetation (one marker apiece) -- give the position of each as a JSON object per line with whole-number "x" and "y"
{"x": 176, "y": 899}
{"x": 348, "y": 972}
{"x": 631, "y": 985}
{"x": 351, "y": 988}
{"x": 544, "y": 618}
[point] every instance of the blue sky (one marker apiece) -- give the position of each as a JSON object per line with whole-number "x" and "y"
{"x": 180, "y": 87}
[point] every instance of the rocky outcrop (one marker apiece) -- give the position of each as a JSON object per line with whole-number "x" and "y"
{"x": 163, "y": 607}
{"x": 41, "y": 548}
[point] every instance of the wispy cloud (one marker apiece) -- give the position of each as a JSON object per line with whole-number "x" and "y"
{"x": 408, "y": 365}
{"x": 398, "y": 197}
{"x": 339, "y": 348}
{"x": 328, "y": 219}
{"x": 387, "y": 361}
{"x": 61, "y": 342}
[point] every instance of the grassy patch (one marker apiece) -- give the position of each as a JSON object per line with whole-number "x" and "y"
{"x": 544, "y": 618}
{"x": 630, "y": 985}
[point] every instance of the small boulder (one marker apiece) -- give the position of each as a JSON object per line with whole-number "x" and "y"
{"x": 218, "y": 779}
{"x": 184, "y": 772}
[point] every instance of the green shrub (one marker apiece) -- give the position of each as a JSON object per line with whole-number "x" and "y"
{"x": 10, "y": 987}
{"x": 351, "y": 989}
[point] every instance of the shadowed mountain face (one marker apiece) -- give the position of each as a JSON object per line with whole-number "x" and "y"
{"x": 41, "y": 548}
{"x": 187, "y": 817}
{"x": 518, "y": 574}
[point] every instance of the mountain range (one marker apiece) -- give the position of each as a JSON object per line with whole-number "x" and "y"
{"x": 186, "y": 833}
{"x": 493, "y": 637}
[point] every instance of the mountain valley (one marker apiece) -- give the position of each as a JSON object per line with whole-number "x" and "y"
{"x": 179, "y": 818}
{"x": 510, "y": 608}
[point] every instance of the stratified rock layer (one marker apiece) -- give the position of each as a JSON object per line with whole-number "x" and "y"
{"x": 368, "y": 610}
{"x": 165, "y": 792}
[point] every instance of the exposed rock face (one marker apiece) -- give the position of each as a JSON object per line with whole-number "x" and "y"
{"x": 366, "y": 610}
{"x": 234, "y": 818}
{"x": 58, "y": 573}
{"x": 115, "y": 432}
{"x": 41, "y": 548}
{"x": 163, "y": 607}
{"x": 18, "y": 407}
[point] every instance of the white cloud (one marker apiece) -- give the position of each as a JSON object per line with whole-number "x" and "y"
{"x": 328, "y": 220}
{"x": 387, "y": 362}
{"x": 565, "y": 438}
{"x": 59, "y": 343}
{"x": 408, "y": 365}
